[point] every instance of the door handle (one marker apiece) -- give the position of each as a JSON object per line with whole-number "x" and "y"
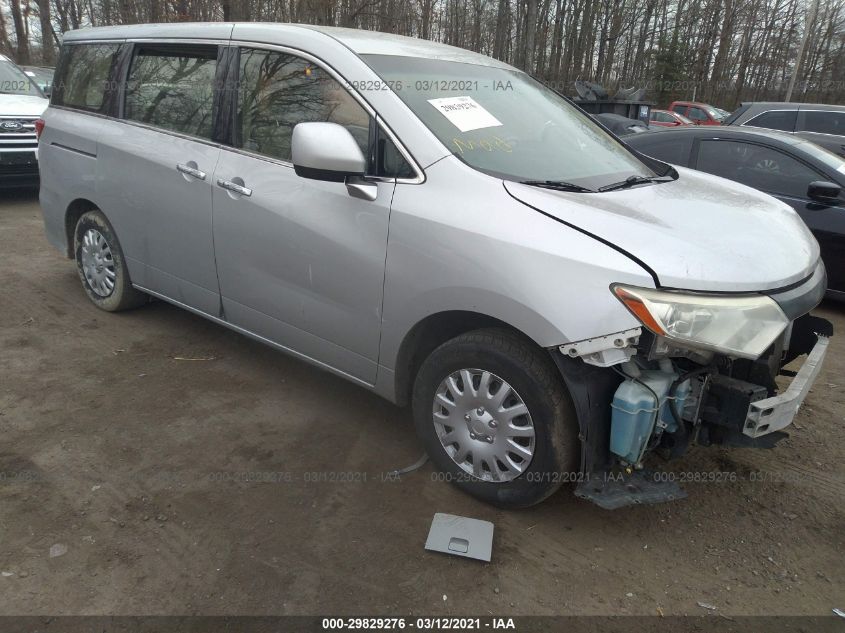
{"x": 234, "y": 187}
{"x": 191, "y": 171}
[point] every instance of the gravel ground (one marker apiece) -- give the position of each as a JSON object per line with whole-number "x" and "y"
{"x": 155, "y": 463}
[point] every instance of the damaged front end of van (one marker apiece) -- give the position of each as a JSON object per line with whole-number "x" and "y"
{"x": 703, "y": 369}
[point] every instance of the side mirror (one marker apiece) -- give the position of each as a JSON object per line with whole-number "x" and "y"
{"x": 326, "y": 151}
{"x": 823, "y": 191}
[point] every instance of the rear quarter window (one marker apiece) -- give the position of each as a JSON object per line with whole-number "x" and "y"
{"x": 823, "y": 122}
{"x": 84, "y": 74}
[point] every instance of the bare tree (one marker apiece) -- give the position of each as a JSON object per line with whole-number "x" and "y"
{"x": 720, "y": 50}
{"x": 48, "y": 48}
{"x": 21, "y": 33}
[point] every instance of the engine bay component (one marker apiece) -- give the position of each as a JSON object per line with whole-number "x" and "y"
{"x": 612, "y": 491}
{"x": 605, "y": 351}
{"x": 777, "y": 412}
{"x": 641, "y": 409}
{"x": 728, "y": 401}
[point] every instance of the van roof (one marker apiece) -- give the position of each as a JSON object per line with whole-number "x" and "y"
{"x": 360, "y": 41}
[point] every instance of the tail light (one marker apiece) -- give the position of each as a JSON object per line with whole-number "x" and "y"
{"x": 39, "y": 127}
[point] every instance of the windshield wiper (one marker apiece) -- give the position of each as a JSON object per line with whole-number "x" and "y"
{"x": 631, "y": 181}
{"x": 557, "y": 185}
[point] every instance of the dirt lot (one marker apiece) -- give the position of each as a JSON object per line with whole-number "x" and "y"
{"x": 126, "y": 485}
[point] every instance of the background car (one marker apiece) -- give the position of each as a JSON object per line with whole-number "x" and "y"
{"x": 21, "y": 103}
{"x": 620, "y": 125}
{"x": 800, "y": 173}
{"x": 42, "y": 76}
{"x": 822, "y": 124}
{"x": 667, "y": 118}
{"x": 699, "y": 113}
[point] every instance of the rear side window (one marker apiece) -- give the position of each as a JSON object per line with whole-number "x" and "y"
{"x": 697, "y": 114}
{"x": 823, "y": 122}
{"x": 277, "y": 91}
{"x": 757, "y": 166}
{"x": 669, "y": 149}
{"x": 83, "y": 77}
{"x": 775, "y": 120}
{"x": 680, "y": 109}
{"x": 173, "y": 88}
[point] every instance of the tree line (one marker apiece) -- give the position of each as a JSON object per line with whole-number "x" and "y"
{"x": 718, "y": 51}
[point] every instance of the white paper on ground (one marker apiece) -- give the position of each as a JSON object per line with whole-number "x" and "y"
{"x": 465, "y": 113}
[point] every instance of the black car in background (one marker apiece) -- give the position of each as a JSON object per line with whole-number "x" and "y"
{"x": 620, "y": 125}
{"x": 820, "y": 123}
{"x": 805, "y": 176}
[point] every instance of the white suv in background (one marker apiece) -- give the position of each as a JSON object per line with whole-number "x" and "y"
{"x": 21, "y": 104}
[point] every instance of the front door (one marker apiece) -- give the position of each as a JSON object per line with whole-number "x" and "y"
{"x": 827, "y": 222}
{"x": 300, "y": 262}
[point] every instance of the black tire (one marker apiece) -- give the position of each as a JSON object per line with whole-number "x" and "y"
{"x": 122, "y": 296}
{"x": 533, "y": 375}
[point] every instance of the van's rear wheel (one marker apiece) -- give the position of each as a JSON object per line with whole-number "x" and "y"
{"x": 101, "y": 265}
{"x": 495, "y": 417}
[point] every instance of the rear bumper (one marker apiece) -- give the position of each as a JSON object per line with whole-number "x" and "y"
{"x": 775, "y": 413}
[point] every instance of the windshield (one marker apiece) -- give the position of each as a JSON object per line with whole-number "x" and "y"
{"x": 717, "y": 113}
{"x": 41, "y": 76}
{"x": 504, "y": 123}
{"x": 684, "y": 119}
{"x": 14, "y": 81}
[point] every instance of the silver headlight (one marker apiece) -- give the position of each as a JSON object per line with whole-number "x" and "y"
{"x": 743, "y": 326}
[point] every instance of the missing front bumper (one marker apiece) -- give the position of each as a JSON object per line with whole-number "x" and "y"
{"x": 775, "y": 413}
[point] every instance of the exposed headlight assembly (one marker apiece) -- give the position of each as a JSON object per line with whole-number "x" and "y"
{"x": 743, "y": 326}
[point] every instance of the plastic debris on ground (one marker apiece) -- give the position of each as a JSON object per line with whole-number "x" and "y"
{"x": 460, "y": 536}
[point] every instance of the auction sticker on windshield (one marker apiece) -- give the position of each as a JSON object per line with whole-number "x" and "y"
{"x": 465, "y": 113}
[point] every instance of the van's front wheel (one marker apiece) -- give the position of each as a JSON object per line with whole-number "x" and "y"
{"x": 101, "y": 265}
{"x": 496, "y": 419}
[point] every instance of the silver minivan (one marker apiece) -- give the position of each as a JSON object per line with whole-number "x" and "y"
{"x": 442, "y": 229}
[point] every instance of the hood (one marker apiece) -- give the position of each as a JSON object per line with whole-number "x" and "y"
{"x": 22, "y": 105}
{"x": 699, "y": 232}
